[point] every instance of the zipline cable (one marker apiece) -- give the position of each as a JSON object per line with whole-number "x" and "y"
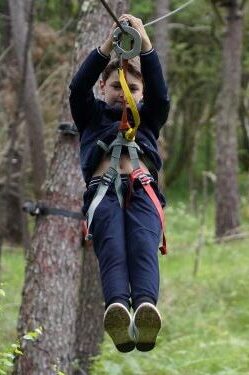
{"x": 169, "y": 14}
{"x": 148, "y": 23}
{"x": 112, "y": 15}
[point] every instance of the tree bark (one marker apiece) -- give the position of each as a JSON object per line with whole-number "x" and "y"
{"x": 30, "y": 100}
{"x": 162, "y": 47}
{"x": 227, "y": 194}
{"x": 52, "y": 276}
{"x": 62, "y": 291}
{"x": 162, "y": 34}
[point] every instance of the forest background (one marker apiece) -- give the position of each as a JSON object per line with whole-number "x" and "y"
{"x": 204, "y": 282}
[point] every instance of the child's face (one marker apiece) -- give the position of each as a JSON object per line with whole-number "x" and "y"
{"x": 113, "y": 93}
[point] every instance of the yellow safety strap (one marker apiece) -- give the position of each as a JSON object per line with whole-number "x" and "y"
{"x": 130, "y": 133}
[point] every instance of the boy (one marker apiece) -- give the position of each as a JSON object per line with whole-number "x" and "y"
{"x": 125, "y": 239}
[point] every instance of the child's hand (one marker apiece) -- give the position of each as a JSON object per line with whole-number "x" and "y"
{"x": 137, "y": 23}
{"x": 107, "y": 46}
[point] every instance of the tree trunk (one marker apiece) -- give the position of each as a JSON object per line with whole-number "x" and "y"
{"x": 227, "y": 195}
{"x": 162, "y": 47}
{"x": 162, "y": 34}
{"x": 10, "y": 192}
{"x": 52, "y": 277}
{"x": 61, "y": 291}
{"x": 30, "y": 99}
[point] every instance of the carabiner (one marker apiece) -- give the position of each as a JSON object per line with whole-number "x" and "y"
{"x": 126, "y": 45}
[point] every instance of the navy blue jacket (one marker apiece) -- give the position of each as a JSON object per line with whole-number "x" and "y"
{"x": 96, "y": 120}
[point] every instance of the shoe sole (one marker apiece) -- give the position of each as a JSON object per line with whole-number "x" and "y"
{"x": 116, "y": 323}
{"x": 148, "y": 323}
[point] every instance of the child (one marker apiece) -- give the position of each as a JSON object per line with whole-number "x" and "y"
{"x": 125, "y": 239}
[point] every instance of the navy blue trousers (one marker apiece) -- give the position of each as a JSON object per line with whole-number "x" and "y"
{"x": 126, "y": 243}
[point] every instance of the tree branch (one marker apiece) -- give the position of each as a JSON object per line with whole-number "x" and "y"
{"x": 5, "y": 52}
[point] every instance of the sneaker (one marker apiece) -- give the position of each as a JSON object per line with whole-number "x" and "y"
{"x": 146, "y": 324}
{"x": 118, "y": 325}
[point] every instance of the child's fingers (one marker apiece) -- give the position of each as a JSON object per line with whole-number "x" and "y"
{"x": 135, "y": 22}
{"x": 123, "y": 18}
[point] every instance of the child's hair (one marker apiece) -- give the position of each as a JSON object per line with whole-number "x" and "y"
{"x": 133, "y": 68}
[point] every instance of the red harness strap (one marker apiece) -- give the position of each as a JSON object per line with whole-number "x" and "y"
{"x": 145, "y": 181}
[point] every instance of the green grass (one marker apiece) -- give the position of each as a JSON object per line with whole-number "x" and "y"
{"x": 205, "y": 318}
{"x": 12, "y": 274}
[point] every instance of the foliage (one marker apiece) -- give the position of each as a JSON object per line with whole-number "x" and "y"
{"x": 194, "y": 80}
{"x": 143, "y": 9}
{"x": 13, "y": 350}
{"x": 57, "y": 12}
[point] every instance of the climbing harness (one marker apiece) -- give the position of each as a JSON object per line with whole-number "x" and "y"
{"x": 127, "y": 44}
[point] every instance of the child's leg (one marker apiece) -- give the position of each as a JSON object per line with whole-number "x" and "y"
{"x": 143, "y": 230}
{"x": 109, "y": 245}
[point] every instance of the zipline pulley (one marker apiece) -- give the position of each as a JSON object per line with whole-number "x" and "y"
{"x": 126, "y": 44}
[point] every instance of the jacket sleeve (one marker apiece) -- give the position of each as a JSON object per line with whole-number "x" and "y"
{"x": 81, "y": 99}
{"x": 156, "y": 101}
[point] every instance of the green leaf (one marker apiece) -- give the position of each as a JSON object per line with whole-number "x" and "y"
{"x": 33, "y": 335}
{"x": 39, "y": 330}
{"x": 8, "y": 355}
{"x": 28, "y": 337}
{"x": 18, "y": 351}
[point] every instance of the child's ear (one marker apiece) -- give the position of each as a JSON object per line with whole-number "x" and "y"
{"x": 102, "y": 86}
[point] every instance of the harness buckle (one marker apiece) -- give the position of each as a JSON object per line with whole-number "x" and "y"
{"x": 109, "y": 176}
{"x": 141, "y": 176}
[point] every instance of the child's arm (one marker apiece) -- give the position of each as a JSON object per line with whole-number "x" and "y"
{"x": 82, "y": 100}
{"x": 155, "y": 96}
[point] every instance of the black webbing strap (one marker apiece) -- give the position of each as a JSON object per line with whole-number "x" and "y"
{"x": 68, "y": 128}
{"x": 38, "y": 208}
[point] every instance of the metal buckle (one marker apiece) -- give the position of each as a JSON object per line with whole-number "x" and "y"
{"x": 109, "y": 176}
{"x": 127, "y": 45}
